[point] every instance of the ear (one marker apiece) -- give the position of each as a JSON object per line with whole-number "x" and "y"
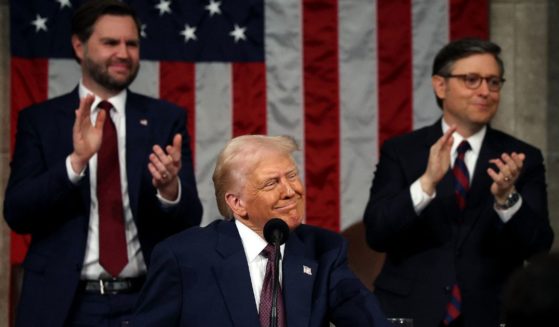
{"x": 439, "y": 86}
{"x": 78, "y": 47}
{"x": 236, "y": 204}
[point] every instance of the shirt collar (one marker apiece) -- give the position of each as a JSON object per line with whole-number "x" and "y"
{"x": 253, "y": 244}
{"x": 118, "y": 101}
{"x": 475, "y": 140}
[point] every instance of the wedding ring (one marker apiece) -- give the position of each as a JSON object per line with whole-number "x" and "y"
{"x": 507, "y": 179}
{"x": 164, "y": 175}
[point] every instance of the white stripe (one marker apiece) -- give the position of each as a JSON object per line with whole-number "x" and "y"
{"x": 63, "y": 76}
{"x": 430, "y": 30}
{"x": 213, "y": 128}
{"x": 358, "y": 102}
{"x": 284, "y": 81}
{"x": 147, "y": 81}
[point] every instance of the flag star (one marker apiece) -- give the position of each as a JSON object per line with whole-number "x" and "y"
{"x": 189, "y": 33}
{"x": 40, "y": 23}
{"x": 238, "y": 33}
{"x": 164, "y": 6}
{"x": 64, "y": 3}
{"x": 143, "y": 31}
{"x": 213, "y": 7}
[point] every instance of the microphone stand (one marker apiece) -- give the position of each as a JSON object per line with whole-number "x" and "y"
{"x": 274, "y": 312}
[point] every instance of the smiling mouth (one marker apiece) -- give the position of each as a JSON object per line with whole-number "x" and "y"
{"x": 287, "y": 207}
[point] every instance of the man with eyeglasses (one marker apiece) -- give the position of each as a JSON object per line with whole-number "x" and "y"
{"x": 457, "y": 205}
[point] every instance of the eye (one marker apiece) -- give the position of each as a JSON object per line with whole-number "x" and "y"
{"x": 292, "y": 175}
{"x": 269, "y": 184}
{"x": 472, "y": 79}
{"x": 494, "y": 82}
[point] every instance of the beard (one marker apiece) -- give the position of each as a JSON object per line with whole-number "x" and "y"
{"x": 100, "y": 74}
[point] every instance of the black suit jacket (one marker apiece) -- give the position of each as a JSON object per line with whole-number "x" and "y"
{"x": 427, "y": 254}
{"x": 201, "y": 278}
{"x": 41, "y": 200}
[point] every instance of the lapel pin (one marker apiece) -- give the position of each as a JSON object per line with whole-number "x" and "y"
{"x": 143, "y": 122}
{"x": 307, "y": 270}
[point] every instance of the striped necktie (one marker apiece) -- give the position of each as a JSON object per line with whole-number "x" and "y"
{"x": 461, "y": 175}
{"x": 266, "y": 295}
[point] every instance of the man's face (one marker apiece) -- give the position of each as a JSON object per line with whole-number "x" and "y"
{"x": 110, "y": 57}
{"x": 469, "y": 108}
{"x": 273, "y": 189}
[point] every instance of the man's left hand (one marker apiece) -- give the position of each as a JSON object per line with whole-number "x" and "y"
{"x": 510, "y": 167}
{"x": 164, "y": 167}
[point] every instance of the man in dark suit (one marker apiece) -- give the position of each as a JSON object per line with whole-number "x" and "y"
{"x": 215, "y": 276}
{"x": 62, "y": 185}
{"x": 454, "y": 225}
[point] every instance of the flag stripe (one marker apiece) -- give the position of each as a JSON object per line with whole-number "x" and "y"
{"x": 469, "y": 18}
{"x": 177, "y": 85}
{"x": 320, "y": 36}
{"x": 395, "y": 68}
{"x": 435, "y": 35}
{"x": 358, "y": 103}
{"x": 249, "y": 98}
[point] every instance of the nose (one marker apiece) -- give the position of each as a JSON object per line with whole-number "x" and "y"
{"x": 288, "y": 189}
{"x": 122, "y": 50}
{"x": 484, "y": 88}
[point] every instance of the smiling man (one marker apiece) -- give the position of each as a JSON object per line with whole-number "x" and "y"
{"x": 98, "y": 177}
{"x": 457, "y": 206}
{"x": 217, "y": 275}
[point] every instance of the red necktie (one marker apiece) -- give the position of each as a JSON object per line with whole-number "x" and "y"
{"x": 461, "y": 174}
{"x": 266, "y": 295}
{"x": 113, "y": 254}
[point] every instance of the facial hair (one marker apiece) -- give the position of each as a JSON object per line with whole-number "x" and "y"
{"x": 99, "y": 73}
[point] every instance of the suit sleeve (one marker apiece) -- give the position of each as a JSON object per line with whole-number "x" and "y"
{"x": 390, "y": 210}
{"x": 528, "y": 231}
{"x": 38, "y": 186}
{"x": 351, "y": 304}
{"x": 160, "y": 299}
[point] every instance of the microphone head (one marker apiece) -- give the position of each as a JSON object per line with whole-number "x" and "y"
{"x": 276, "y": 231}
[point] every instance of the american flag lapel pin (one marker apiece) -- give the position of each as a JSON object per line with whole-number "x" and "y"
{"x": 143, "y": 122}
{"x": 307, "y": 270}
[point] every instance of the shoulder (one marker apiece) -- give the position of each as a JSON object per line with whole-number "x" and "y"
{"x": 65, "y": 103}
{"x": 319, "y": 240}
{"x": 508, "y": 143}
{"x": 162, "y": 106}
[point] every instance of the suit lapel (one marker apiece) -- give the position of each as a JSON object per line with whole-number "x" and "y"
{"x": 137, "y": 137}
{"x": 299, "y": 270}
{"x": 233, "y": 277}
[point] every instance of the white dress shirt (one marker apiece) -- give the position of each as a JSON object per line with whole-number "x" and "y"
{"x": 253, "y": 245}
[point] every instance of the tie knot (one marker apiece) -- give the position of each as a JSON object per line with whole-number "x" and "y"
{"x": 105, "y": 105}
{"x": 269, "y": 251}
{"x": 463, "y": 147}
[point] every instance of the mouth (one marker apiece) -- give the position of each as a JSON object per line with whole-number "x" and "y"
{"x": 287, "y": 207}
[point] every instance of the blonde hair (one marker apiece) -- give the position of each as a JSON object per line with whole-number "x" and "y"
{"x": 237, "y": 159}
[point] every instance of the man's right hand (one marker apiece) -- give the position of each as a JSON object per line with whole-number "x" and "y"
{"x": 86, "y": 137}
{"x": 439, "y": 162}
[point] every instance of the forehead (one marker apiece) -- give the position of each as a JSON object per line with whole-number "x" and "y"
{"x": 115, "y": 27}
{"x": 483, "y": 64}
{"x": 272, "y": 163}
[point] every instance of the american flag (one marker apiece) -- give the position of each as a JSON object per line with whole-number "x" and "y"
{"x": 339, "y": 76}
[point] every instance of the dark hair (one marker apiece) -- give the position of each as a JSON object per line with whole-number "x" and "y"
{"x": 462, "y": 48}
{"x": 87, "y": 14}
{"x": 531, "y": 297}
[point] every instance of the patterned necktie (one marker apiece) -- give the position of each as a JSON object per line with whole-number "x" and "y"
{"x": 461, "y": 175}
{"x": 113, "y": 254}
{"x": 266, "y": 295}
{"x": 461, "y": 187}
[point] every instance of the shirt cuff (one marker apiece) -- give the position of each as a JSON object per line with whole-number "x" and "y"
{"x": 170, "y": 203}
{"x": 72, "y": 176}
{"x": 506, "y": 214}
{"x": 419, "y": 198}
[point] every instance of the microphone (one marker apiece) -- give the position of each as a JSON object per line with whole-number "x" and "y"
{"x": 276, "y": 232}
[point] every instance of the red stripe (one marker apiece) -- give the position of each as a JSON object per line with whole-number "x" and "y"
{"x": 395, "y": 92}
{"x": 177, "y": 84}
{"x": 469, "y": 18}
{"x": 322, "y": 105}
{"x": 249, "y": 98}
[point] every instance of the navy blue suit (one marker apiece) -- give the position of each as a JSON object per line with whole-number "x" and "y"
{"x": 41, "y": 200}
{"x": 427, "y": 253}
{"x": 200, "y": 277}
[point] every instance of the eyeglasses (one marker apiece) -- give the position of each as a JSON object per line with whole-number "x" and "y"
{"x": 473, "y": 81}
